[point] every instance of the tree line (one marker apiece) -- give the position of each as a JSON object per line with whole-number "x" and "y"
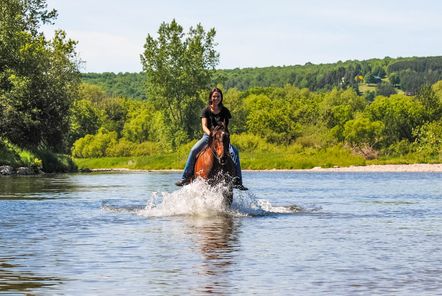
{"x": 389, "y": 75}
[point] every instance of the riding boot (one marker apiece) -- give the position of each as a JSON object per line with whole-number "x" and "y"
{"x": 182, "y": 182}
{"x": 237, "y": 184}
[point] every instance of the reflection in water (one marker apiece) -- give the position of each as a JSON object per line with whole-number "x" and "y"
{"x": 35, "y": 187}
{"x": 12, "y": 279}
{"x": 218, "y": 243}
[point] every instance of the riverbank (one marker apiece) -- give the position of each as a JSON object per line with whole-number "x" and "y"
{"x": 419, "y": 167}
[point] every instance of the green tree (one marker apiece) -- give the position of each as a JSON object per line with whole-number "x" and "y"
{"x": 400, "y": 114}
{"x": 385, "y": 89}
{"x": 84, "y": 120}
{"x": 272, "y": 118}
{"x": 429, "y": 138}
{"x": 338, "y": 107}
{"x": 138, "y": 126}
{"x": 431, "y": 102}
{"x": 363, "y": 134}
{"x": 178, "y": 67}
{"x": 114, "y": 113}
{"x": 234, "y": 100}
{"x": 38, "y": 77}
{"x": 394, "y": 79}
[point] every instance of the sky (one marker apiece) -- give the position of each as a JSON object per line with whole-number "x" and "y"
{"x": 260, "y": 33}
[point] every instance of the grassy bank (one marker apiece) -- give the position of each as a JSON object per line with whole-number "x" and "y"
{"x": 260, "y": 160}
{"x": 46, "y": 161}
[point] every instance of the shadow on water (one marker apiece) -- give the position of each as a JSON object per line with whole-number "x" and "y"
{"x": 14, "y": 279}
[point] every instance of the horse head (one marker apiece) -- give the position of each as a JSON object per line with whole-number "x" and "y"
{"x": 219, "y": 143}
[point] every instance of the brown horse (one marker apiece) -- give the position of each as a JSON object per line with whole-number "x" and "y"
{"x": 214, "y": 163}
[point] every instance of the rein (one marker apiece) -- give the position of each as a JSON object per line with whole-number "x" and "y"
{"x": 218, "y": 158}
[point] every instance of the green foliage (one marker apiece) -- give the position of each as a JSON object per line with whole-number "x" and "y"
{"x": 146, "y": 148}
{"x": 429, "y": 138}
{"x": 15, "y": 156}
{"x": 84, "y": 119}
{"x": 338, "y": 107}
{"x": 316, "y": 136}
{"x": 234, "y": 100}
{"x": 107, "y": 144}
{"x": 138, "y": 125}
{"x": 49, "y": 162}
{"x": 250, "y": 143}
{"x": 315, "y": 77}
{"x": 431, "y": 102}
{"x": 178, "y": 67}
{"x": 91, "y": 92}
{"x": 385, "y": 89}
{"x": 38, "y": 77}
{"x": 276, "y": 114}
{"x": 361, "y": 131}
{"x": 95, "y": 145}
{"x": 114, "y": 113}
{"x": 56, "y": 163}
{"x": 394, "y": 79}
{"x": 126, "y": 85}
{"x": 399, "y": 114}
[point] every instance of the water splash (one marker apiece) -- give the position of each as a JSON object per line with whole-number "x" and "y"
{"x": 201, "y": 199}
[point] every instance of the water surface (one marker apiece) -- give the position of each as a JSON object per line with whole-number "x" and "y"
{"x": 293, "y": 233}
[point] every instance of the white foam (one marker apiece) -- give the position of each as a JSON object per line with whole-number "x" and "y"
{"x": 201, "y": 199}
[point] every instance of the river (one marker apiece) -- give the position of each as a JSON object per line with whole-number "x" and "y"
{"x": 292, "y": 233}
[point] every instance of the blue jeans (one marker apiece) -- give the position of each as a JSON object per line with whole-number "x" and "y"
{"x": 190, "y": 163}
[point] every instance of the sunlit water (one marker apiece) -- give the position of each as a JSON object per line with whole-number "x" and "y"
{"x": 292, "y": 234}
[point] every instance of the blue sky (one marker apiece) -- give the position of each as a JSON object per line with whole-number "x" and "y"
{"x": 111, "y": 34}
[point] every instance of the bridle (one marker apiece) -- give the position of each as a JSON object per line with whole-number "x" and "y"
{"x": 221, "y": 159}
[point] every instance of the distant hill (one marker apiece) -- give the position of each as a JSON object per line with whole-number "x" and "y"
{"x": 407, "y": 74}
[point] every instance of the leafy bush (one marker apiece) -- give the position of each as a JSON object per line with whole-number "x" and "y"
{"x": 317, "y": 136}
{"x": 429, "y": 138}
{"x": 249, "y": 142}
{"x": 146, "y": 148}
{"x": 94, "y": 145}
{"x": 121, "y": 148}
{"x": 399, "y": 148}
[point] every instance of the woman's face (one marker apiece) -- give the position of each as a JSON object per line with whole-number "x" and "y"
{"x": 216, "y": 98}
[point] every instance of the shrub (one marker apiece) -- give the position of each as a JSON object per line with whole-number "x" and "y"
{"x": 429, "y": 138}
{"x": 146, "y": 148}
{"x": 250, "y": 143}
{"x": 398, "y": 148}
{"x": 94, "y": 145}
{"x": 121, "y": 148}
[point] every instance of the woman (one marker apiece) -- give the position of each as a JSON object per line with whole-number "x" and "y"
{"x": 211, "y": 116}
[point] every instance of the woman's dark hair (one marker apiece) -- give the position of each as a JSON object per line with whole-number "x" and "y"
{"x": 215, "y": 89}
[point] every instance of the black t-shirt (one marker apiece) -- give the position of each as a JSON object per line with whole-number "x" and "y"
{"x": 215, "y": 119}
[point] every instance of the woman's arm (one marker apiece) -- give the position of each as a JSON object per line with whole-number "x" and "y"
{"x": 204, "y": 126}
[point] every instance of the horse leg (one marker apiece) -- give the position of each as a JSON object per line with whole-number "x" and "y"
{"x": 228, "y": 195}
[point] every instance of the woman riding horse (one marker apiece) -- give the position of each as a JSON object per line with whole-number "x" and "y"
{"x": 213, "y": 115}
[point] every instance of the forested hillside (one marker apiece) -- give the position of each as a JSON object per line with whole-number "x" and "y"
{"x": 384, "y": 76}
